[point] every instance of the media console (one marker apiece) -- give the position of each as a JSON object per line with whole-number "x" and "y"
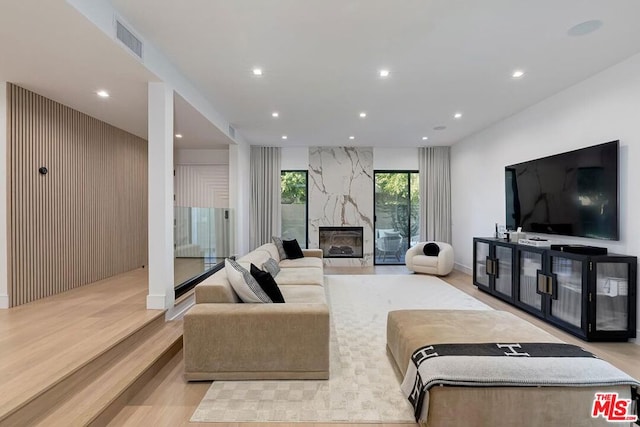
{"x": 590, "y": 296}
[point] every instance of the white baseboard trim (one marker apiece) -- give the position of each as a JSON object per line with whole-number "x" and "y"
{"x": 463, "y": 268}
{"x": 156, "y": 302}
{"x": 4, "y": 301}
{"x": 178, "y": 311}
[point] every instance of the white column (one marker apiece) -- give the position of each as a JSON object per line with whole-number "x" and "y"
{"x": 4, "y": 191}
{"x": 160, "y": 152}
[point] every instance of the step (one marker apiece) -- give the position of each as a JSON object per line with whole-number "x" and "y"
{"x": 97, "y": 400}
{"x": 47, "y": 391}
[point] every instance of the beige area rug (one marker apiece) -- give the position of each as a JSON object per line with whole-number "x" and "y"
{"x": 363, "y": 387}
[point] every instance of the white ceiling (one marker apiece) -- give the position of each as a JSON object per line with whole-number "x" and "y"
{"x": 320, "y": 61}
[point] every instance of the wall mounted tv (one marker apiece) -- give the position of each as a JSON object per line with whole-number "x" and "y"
{"x": 572, "y": 194}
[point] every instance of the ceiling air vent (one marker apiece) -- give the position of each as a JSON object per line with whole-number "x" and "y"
{"x": 232, "y": 132}
{"x": 128, "y": 39}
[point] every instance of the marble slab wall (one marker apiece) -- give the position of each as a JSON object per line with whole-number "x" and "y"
{"x": 341, "y": 194}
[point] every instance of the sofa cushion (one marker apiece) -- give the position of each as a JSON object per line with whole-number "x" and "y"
{"x": 278, "y": 242}
{"x": 305, "y": 262}
{"x": 216, "y": 289}
{"x": 271, "y": 249}
{"x": 292, "y": 249}
{"x": 431, "y": 249}
{"x": 244, "y": 284}
{"x": 300, "y": 276}
{"x": 254, "y": 257}
{"x": 266, "y": 282}
{"x": 303, "y": 294}
{"x": 271, "y": 265}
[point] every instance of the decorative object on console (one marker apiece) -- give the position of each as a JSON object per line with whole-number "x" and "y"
{"x": 535, "y": 241}
{"x": 266, "y": 282}
{"x": 278, "y": 242}
{"x": 244, "y": 284}
{"x": 431, "y": 249}
{"x": 292, "y": 249}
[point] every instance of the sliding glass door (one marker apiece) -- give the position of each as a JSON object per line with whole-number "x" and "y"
{"x": 396, "y": 202}
{"x": 294, "y": 205}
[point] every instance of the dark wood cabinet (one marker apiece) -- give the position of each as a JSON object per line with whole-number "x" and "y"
{"x": 590, "y": 296}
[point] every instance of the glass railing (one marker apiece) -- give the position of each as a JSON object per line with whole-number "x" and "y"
{"x": 203, "y": 238}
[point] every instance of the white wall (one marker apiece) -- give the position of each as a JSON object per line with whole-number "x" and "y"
{"x": 396, "y": 158}
{"x": 201, "y": 157}
{"x": 294, "y": 158}
{"x": 239, "y": 191}
{"x": 600, "y": 109}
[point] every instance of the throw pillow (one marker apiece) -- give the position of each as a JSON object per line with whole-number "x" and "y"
{"x": 278, "y": 242}
{"x": 271, "y": 265}
{"x": 244, "y": 284}
{"x": 431, "y": 249}
{"x": 292, "y": 248}
{"x": 266, "y": 282}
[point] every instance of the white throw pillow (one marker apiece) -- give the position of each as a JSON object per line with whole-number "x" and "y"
{"x": 244, "y": 284}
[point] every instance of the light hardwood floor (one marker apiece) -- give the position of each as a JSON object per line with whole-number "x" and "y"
{"x": 170, "y": 401}
{"x": 44, "y": 341}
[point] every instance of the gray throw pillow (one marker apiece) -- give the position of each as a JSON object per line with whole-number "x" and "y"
{"x": 271, "y": 265}
{"x": 278, "y": 242}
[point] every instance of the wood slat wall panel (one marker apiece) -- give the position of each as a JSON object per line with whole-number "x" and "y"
{"x": 85, "y": 220}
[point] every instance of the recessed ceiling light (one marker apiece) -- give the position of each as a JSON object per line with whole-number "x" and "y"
{"x": 424, "y": 138}
{"x": 584, "y": 28}
{"x": 384, "y": 73}
{"x": 102, "y": 93}
{"x": 284, "y": 136}
{"x": 352, "y": 137}
{"x": 517, "y": 74}
{"x": 257, "y": 71}
{"x": 275, "y": 114}
{"x": 178, "y": 135}
{"x": 363, "y": 115}
{"x": 439, "y": 127}
{"x": 457, "y": 115}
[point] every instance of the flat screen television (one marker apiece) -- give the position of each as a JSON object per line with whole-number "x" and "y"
{"x": 572, "y": 194}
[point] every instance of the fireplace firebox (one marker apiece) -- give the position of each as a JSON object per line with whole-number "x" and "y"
{"x": 341, "y": 242}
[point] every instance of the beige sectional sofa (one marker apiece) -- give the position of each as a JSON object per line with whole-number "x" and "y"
{"x": 225, "y": 339}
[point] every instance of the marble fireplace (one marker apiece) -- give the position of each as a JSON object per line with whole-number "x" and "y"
{"x": 341, "y": 242}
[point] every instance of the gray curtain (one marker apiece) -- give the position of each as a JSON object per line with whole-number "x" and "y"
{"x": 265, "y": 195}
{"x": 435, "y": 194}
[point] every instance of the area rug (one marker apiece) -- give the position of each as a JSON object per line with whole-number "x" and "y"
{"x": 363, "y": 386}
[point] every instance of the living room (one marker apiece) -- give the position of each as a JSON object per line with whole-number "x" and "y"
{"x": 589, "y": 104}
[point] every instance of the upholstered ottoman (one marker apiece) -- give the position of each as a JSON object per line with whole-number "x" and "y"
{"x": 439, "y": 265}
{"x": 409, "y": 330}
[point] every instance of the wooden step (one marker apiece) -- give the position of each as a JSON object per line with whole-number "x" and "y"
{"x": 50, "y": 388}
{"x": 97, "y": 399}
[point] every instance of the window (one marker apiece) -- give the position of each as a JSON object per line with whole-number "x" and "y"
{"x": 294, "y": 210}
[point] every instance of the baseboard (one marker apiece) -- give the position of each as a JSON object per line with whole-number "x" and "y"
{"x": 156, "y": 302}
{"x": 463, "y": 268}
{"x": 4, "y": 301}
{"x": 180, "y": 309}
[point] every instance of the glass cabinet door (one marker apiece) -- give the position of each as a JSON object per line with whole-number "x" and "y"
{"x": 503, "y": 283}
{"x": 482, "y": 252}
{"x": 612, "y": 296}
{"x": 530, "y": 263}
{"x": 568, "y": 305}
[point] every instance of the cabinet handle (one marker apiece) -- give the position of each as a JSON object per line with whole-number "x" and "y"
{"x": 542, "y": 283}
{"x": 496, "y": 270}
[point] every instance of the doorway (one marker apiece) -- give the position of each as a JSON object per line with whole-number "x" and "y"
{"x": 396, "y": 215}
